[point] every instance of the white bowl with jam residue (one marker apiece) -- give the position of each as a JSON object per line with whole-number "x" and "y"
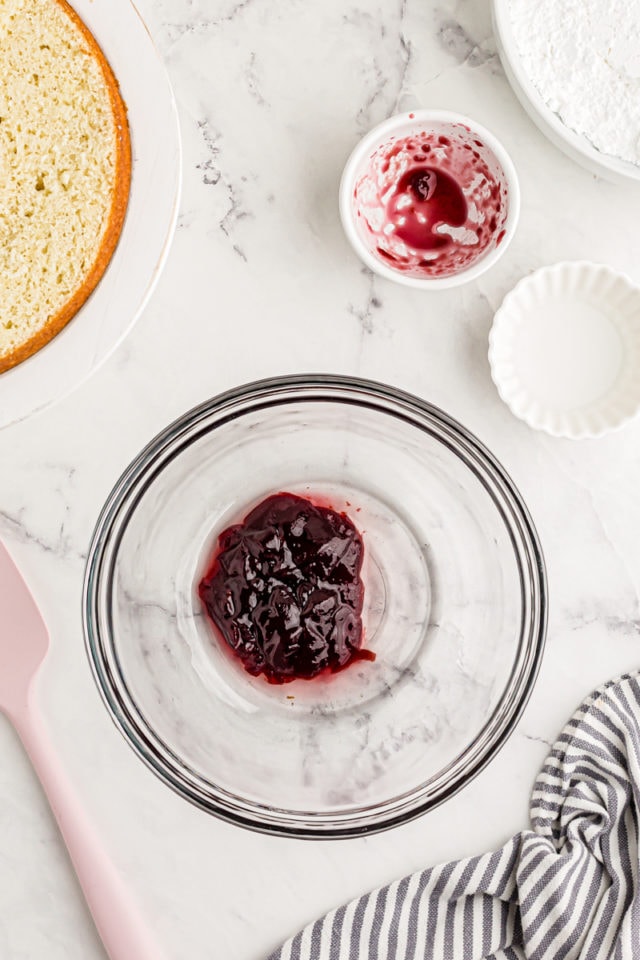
{"x": 429, "y": 199}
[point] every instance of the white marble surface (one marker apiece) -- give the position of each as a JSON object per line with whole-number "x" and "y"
{"x": 260, "y": 281}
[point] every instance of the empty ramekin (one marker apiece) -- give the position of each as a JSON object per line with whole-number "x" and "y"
{"x": 401, "y": 169}
{"x": 564, "y": 349}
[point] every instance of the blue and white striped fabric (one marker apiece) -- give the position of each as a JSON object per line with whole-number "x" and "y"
{"x": 565, "y": 890}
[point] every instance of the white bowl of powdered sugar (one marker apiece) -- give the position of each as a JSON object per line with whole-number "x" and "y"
{"x": 575, "y": 67}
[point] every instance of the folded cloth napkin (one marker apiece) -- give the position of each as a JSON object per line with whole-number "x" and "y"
{"x": 566, "y": 889}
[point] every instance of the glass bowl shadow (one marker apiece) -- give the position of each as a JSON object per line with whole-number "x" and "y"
{"x": 455, "y": 609}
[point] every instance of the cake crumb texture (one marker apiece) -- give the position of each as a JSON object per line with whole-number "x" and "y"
{"x": 64, "y": 171}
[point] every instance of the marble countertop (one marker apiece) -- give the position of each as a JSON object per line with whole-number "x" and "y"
{"x": 261, "y": 281}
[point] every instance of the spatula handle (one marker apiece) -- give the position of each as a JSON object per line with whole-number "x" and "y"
{"x": 123, "y": 932}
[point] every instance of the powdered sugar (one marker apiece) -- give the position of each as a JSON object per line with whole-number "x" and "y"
{"x": 583, "y": 56}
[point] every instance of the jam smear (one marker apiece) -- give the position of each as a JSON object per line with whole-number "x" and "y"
{"x": 425, "y": 199}
{"x": 284, "y": 590}
{"x": 430, "y": 205}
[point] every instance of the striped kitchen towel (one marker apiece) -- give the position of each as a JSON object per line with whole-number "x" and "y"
{"x": 567, "y": 889}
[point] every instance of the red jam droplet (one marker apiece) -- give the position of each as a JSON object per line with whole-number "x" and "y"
{"x": 426, "y": 199}
{"x": 284, "y": 590}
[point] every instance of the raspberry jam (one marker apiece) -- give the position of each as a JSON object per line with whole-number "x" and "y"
{"x": 425, "y": 199}
{"x": 430, "y": 205}
{"x": 284, "y": 591}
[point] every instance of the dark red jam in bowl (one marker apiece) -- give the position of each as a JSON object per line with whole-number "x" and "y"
{"x": 284, "y": 590}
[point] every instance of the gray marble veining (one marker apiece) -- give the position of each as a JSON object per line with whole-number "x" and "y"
{"x": 260, "y": 281}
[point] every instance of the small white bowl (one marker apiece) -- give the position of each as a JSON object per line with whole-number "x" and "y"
{"x": 564, "y": 349}
{"x": 573, "y": 144}
{"x": 440, "y": 123}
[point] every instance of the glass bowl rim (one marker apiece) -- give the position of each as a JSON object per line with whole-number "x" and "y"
{"x": 149, "y": 463}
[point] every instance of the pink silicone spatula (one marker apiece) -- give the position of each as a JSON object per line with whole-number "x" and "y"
{"x": 24, "y": 641}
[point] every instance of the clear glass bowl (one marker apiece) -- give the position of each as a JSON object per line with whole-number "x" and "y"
{"x": 455, "y": 609}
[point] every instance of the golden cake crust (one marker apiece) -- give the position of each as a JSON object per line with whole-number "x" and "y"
{"x": 119, "y": 201}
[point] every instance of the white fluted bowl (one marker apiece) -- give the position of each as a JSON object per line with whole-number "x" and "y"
{"x": 564, "y": 349}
